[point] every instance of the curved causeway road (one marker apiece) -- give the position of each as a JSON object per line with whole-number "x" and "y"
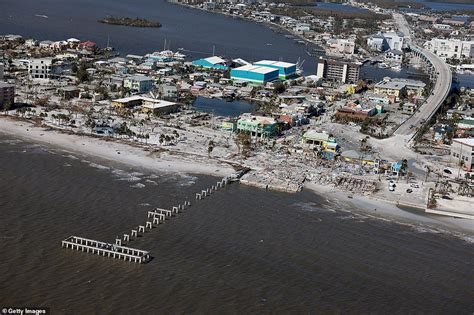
{"x": 442, "y": 78}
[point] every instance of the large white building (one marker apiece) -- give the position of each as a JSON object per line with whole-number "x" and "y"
{"x": 451, "y": 48}
{"x": 40, "y": 68}
{"x": 386, "y": 41}
{"x": 462, "y": 152}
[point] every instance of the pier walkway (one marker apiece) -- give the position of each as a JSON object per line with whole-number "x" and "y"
{"x": 155, "y": 217}
{"x": 106, "y": 249}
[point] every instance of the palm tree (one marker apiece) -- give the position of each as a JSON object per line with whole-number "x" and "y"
{"x": 6, "y": 107}
{"x": 210, "y": 147}
{"x": 428, "y": 171}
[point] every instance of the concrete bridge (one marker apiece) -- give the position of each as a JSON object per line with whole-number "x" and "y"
{"x": 441, "y": 76}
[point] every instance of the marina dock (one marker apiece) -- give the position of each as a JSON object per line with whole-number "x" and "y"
{"x": 106, "y": 249}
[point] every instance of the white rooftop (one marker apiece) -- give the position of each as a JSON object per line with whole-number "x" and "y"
{"x": 215, "y": 60}
{"x": 154, "y": 103}
{"x": 276, "y": 63}
{"x": 257, "y": 69}
{"x": 465, "y": 141}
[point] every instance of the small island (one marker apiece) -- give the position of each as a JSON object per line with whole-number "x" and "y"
{"x": 137, "y": 22}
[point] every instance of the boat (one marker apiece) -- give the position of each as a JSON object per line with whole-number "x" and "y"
{"x": 397, "y": 68}
{"x": 42, "y": 16}
{"x": 168, "y": 54}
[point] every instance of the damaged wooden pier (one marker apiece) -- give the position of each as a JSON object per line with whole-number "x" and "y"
{"x": 106, "y": 249}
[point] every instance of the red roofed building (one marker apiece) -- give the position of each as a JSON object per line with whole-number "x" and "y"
{"x": 88, "y": 45}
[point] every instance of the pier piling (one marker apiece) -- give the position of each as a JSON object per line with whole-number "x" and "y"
{"x": 168, "y": 213}
{"x": 134, "y": 233}
{"x": 126, "y": 238}
{"x": 141, "y": 229}
{"x": 148, "y": 225}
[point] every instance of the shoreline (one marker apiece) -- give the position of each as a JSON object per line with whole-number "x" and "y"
{"x": 386, "y": 210}
{"x": 113, "y": 150}
{"x": 126, "y": 154}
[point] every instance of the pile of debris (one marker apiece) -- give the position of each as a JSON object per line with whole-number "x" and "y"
{"x": 346, "y": 182}
{"x": 274, "y": 180}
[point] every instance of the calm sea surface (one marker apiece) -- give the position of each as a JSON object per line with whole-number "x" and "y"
{"x": 220, "y": 107}
{"x": 243, "y": 250}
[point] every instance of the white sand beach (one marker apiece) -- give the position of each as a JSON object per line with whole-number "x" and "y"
{"x": 115, "y": 151}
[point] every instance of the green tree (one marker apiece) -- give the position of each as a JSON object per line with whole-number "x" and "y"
{"x": 7, "y": 106}
{"x": 210, "y": 147}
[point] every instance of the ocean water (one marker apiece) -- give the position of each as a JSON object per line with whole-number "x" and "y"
{"x": 196, "y": 31}
{"x": 243, "y": 250}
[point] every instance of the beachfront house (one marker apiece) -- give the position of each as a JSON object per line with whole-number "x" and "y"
{"x": 258, "y": 126}
{"x": 321, "y": 140}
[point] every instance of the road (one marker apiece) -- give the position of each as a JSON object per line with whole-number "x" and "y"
{"x": 441, "y": 88}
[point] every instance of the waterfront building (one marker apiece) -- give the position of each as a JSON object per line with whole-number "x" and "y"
{"x": 462, "y": 152}
{"x": 321, "y": 140}
{"x": 214, "y": 62}
{"x": 395, "y": 40}
{"x": 158, "y": 107}
{"x": 139, "y": 83}
{"x": 358, "y": 157}
{"x": 7, "y": 93}
{"x": 258, "y": 126}
{"x": 394, "y": 55}
{"x": 254, "y": 74}
{"x": 40, "y": 68}
{"x": 285, "y": 69}
{"x": 451, "y": 48}
{"x": 88, "y": 46}
{"x": 45, "y": 44}
{"x": 30, "y": 43}
{"x": 338, "y": 70}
